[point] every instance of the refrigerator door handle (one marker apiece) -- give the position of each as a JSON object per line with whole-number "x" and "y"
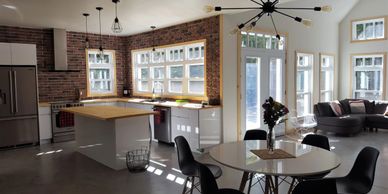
{"x": 11, "y": 90}
{"x": 16, "y": 92}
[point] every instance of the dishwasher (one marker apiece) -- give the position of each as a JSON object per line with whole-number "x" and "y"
{"x": 162, "y": 124}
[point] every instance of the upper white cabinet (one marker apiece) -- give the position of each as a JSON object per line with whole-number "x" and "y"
{"x": 17, "y": 54}
{"x": 23, "y": 54}
{"x": 5, "y": 54}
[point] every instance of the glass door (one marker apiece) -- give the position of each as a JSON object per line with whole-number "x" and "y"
{"x": 262, "y": 76}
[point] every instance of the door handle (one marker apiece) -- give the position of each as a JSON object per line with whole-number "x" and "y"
{"x": 3, "y": 98}
{"x": 16, "y": 92}
{"x": 11, "y": 89}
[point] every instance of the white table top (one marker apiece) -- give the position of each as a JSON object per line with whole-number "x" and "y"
{"x": 309, "y": 159}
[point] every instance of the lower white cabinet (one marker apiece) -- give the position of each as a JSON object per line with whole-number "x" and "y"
{"x": 45, "y": 132}
{"x": 200, "y": 127}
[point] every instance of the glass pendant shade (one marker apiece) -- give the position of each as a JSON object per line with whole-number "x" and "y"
{"x": 116, "y": 26}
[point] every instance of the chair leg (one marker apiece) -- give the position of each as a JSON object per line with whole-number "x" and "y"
{"x": 192, "y": 185}
{"x": 291, "y": 186}
{"x": 244, "y": 180}
{"x": 250, "y": 182}
{"x": 185, "y": 185}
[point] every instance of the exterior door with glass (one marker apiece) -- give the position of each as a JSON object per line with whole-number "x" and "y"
{"x": 262, "y": 76}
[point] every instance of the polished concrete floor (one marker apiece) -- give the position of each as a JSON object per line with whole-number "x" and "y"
{"x": 59, "y": 169}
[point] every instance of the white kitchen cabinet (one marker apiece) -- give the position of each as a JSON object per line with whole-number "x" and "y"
{"x": 45, "y": 132}
{"x": 200, "y": 127}
{"x": 17, "y": 54}
{"x": 5, "y": 54}
{"x": 23, "y": 54}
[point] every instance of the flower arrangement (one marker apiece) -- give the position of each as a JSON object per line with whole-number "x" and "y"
{"x": 274, "y": 113}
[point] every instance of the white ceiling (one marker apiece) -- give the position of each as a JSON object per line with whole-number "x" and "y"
{"x": 136, "y": 16}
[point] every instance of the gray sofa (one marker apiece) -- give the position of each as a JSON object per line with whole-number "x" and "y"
{"x": 350, "y": 124}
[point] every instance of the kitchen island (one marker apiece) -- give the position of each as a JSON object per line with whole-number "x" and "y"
{"x": 106, "y": 133}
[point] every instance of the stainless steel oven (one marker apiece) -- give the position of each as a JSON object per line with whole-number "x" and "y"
{"x": 62, "y": 122}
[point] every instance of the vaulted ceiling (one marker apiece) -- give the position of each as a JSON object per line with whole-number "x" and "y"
{"x": 136, "y": 15}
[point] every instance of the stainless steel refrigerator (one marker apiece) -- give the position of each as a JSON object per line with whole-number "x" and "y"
{"x": 18, "y": 106}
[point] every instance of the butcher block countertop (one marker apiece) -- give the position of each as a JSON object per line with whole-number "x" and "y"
{"x": 107, "y": 112}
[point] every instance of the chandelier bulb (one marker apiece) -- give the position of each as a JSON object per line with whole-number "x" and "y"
{"x": 234, "y": 31}
{"x": 208, "y": 8}
{"x": 326, "y": 8}
{"x": 307, "y": 23}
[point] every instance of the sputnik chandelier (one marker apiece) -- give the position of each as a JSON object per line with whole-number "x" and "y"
{"x": 268, "y": 8}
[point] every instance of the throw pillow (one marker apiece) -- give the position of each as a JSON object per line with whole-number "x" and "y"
{"x": 357, "y": 107}
{"x": 336, "y": 107}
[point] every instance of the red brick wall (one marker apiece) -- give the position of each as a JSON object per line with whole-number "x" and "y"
{"x": 58, "y": 86}
{"x": 207, "y": 28}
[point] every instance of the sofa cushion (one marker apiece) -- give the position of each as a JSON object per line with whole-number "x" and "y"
{"x": 357, "y": 107}
{"x": 369, "y": 106}
{"x": 377, "y": 119}
{"x": 380, "y": 107}
{"x": 325, "y": 110}
{"x": 336, "y": 108}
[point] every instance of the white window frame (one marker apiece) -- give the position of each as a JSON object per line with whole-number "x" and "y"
{"x": 373, "y": 67}
{"x": 268, "y": 44}
{"x": 112, "y": 69}
{"x": 364, "y": 22}
{"x": 183, "y": 59}
{"x": 309, "y": 93}
{"x": 195, "y": 79}
{"x": 329, "y": 69}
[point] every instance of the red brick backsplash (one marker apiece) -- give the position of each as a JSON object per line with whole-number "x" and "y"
{"x": 59, "y": 86}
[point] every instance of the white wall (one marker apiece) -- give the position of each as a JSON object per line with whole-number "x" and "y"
{"x": 364, "y": 9}
{"x": 321, "y": 37}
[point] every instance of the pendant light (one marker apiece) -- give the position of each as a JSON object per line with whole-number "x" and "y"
{"x": 101, "y": 50}
{"x": 116, "y": 26}
{"x": 153, "y": 37}
{"x": 86, "y": 32}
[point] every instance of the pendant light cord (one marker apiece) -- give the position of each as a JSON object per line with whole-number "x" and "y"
{"x": 99, "y": 19}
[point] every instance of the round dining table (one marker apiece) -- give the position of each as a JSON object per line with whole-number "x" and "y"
{"x": 307, "y": 160}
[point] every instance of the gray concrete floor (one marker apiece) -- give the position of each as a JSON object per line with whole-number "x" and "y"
{"x": 58, "y": 168}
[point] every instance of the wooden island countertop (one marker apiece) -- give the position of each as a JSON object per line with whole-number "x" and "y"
{"x": 107, "y": 112}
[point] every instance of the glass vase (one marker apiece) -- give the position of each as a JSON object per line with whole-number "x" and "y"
{"x": 270, "y": 141}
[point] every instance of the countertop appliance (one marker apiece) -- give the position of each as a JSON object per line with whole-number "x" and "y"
{"x": 162, "y": 124}
{"x": 63, "y": 122}
{"x": 18, "y": 106}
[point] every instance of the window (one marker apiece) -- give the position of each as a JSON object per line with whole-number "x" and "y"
{"x": 372, "y": 29}
{"x": 175, "y": 70}
{"x": 101, "y": 73}
{"x": 368, "y": 76}
{"x": 326, "y": 82}
{"x": 264, "y": 41}
{"x": 304, "y": 83}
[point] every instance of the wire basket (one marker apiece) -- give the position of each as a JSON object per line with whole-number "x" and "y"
{"x": 138, "y": 160}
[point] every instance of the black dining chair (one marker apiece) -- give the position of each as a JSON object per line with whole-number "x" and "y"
{"x": 324, "y": 186}
{"x": 254, "y": 134}
{"x": 209, "y": 184}
{"x": 189, "y": 166}
{"x": 317, "y": 141}
{"x": 361, "y": 177}
{"x": 359, "y": 180}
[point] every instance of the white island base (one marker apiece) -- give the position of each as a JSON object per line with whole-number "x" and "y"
{"x": 108, "y": 141}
